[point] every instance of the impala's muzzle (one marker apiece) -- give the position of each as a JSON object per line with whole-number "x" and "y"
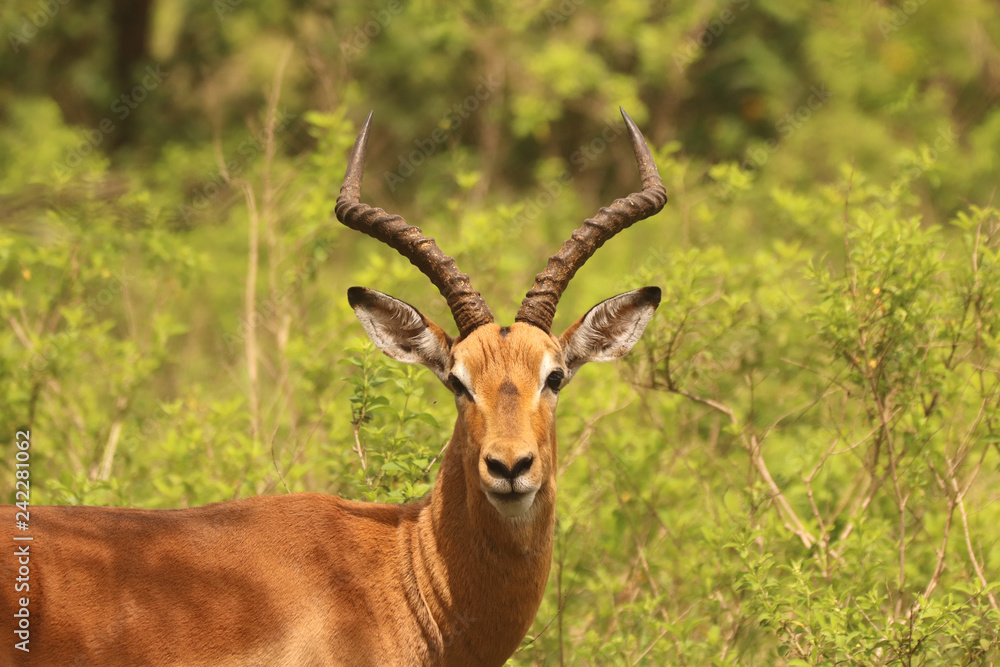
{"x": 509, "y": 480}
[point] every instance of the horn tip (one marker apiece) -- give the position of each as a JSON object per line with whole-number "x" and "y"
{"x": 363, "y": 132}
{"x": 633, "y": 129}
{"x": 351, "y": 187}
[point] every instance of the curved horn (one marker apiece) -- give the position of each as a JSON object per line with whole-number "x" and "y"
{"x": 467, "y": 306}
{"x": 539, "y": 305}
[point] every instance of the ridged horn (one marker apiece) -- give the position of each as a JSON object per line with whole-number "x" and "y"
{"x": 467, "y": 306}
{"x": 539, "y": 305}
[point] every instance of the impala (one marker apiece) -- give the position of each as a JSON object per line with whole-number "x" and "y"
{"x": 308, "y": 579}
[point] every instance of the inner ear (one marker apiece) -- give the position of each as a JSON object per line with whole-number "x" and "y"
{"x": 610, "y": 328}
{"x": 401, "y": 331}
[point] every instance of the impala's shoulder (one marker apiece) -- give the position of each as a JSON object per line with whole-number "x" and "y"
{"x": 320, "y": 507}
{"x": 286, "y": 509}
{"x": 381, "y": 513}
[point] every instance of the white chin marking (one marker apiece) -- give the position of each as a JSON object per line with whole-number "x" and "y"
{"x": 511, "y": 506}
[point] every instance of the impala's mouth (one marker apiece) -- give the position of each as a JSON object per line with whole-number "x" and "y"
{"x": 513, "y": 503}
{"x": 512, "y": 497}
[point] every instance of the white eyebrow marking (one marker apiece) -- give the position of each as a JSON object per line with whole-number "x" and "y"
{"x": 549, "y": 364}
{"x": 459, "y": 371}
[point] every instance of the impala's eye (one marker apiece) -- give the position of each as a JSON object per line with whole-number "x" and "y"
{"x": 456, "y": 385}
{"x": 554, "y": 380}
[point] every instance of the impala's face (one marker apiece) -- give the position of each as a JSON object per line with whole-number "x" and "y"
{"x": 506, "y": 383}
{"x": 505, "y": 379}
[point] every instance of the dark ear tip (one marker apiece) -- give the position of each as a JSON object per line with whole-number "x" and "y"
{"x": 356, "y": 296}
{"x": 652, "y": 295}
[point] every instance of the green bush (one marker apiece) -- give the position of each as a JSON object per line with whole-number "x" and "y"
{"x": 798, "y": 462}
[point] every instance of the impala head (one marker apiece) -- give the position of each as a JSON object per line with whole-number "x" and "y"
{"x": 506, "y": 380}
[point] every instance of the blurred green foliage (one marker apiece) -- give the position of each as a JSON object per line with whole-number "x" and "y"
{"x": 798, "y": 464}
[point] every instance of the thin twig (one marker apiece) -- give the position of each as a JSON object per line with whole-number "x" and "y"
{"x": 104, "y": 471}
{"x": 650, "y": 647}
{"x": 752, "y": 446}
{"x": 250, "y": 309}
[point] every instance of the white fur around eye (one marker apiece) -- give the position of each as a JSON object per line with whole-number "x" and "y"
{"x": 549, "y": 363}
{"x": 462, "y": 373}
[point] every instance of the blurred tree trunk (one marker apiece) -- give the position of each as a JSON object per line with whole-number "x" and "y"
{"x": 130, "y": 19}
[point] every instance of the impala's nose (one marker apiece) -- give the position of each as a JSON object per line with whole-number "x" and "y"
{"x": 502, "y": 470}
{"x": 510, "y": 482}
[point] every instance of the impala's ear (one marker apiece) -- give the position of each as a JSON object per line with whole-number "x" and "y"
{"x": 609, "y": 329}
{"x": 401, "y": 331}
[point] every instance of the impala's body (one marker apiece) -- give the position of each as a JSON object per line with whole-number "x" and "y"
{"x": 228, "y": 584}
{"x": 308, "y": 579}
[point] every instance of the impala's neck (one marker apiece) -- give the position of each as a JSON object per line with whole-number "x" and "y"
{"x": 481, "y": 575}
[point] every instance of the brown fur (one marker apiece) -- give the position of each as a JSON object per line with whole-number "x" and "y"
{"x": 308, "y": 579}
{"x": 301, "y": 579}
